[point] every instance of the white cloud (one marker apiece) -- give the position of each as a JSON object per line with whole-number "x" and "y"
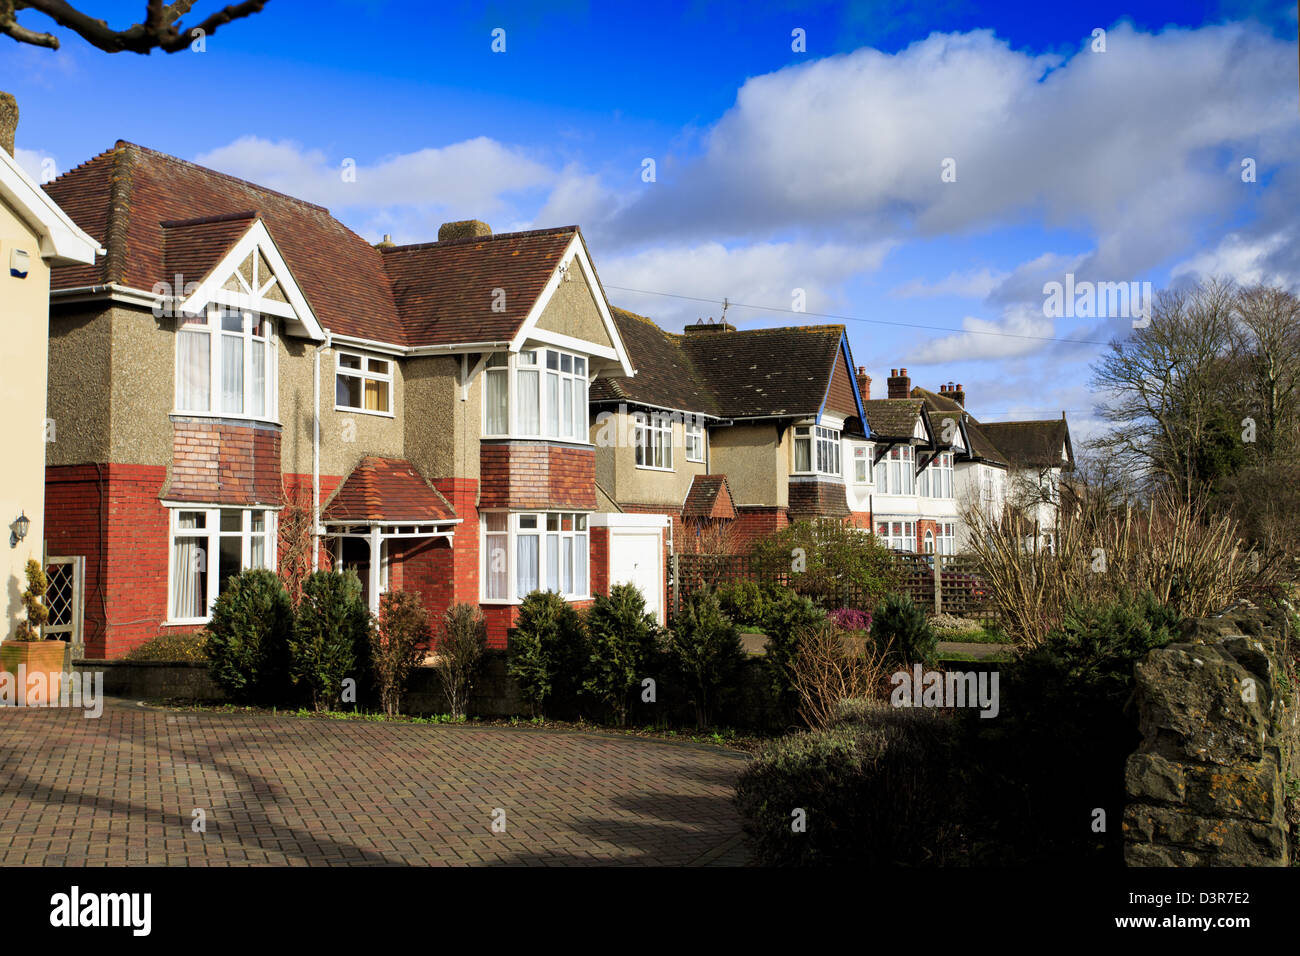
{"x": 469, "y": 179}
{"x": 761, "y": 274}
{"x": 972, "y": 284}
{"x": 1019, "y": 332}
{"x": 1247, "y": 259}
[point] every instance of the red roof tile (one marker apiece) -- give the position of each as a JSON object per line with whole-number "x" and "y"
{"x": 192, "y": 248}
{"x": 387, "y": 489}
{"x": 709, "y": 497}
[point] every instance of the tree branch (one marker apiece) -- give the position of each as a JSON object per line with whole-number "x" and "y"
{"x": 159, "y": 31}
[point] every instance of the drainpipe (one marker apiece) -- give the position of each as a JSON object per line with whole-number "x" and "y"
{"x": 315, "y": 455}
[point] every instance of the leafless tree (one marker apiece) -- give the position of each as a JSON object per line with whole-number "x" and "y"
{"x": 161, "y": 28}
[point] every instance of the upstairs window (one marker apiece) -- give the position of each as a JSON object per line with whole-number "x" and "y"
{"x": 895, "y": 473}
{"x": 694, "y": 442}
{"x": 550, "y": 395}
{"x": 816, "y": 450}
{"x": 363, "y": 384}
{"x": 654, "y": 441}
{"x": 936, "y": 480}
{"x": 225, "y": 364}
{"x": 862, "y": 464}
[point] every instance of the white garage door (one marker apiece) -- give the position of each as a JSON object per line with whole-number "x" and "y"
{"x": 637, "y": 559}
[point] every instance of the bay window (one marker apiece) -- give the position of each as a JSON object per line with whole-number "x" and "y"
{"x": 898, "y": 535}
{"x": 936, "y": 480}
{"x": 363, "y": 384}
{"x": 694, "y": 441}
{"x": 225, "y": 364}
{"x": 548, "y": 552}
{"x": 208, "y": 547}
{"x": 816, "y": 450}
{"x": 654, "y": 441}
{"x": 895, "y": 474}
{"x": 550, "y": 395}
{"x": 862, "y": 464}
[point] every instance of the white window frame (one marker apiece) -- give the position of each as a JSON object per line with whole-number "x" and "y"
{"x": 212, "y": 555}
{"x": 365, "y": 374}
{"x": 899, "y": 534}
{"x": 824, "y": 452}
{"x": 255, "y": 327}
{"x": 862, "y": 456}
{"x": 579, "y": 534}
{"x": 895, "y": 473}
{"x": 575, "y": 380}
{"x": 696, "y": 435}
{"x": 653, "y": 441}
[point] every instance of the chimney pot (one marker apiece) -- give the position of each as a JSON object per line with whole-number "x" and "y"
{"x": 8, "y": 122}
{"x": 464, "y": 229}
{"x": 900, "y": 386}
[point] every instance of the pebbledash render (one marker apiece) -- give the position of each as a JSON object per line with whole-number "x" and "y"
{"x": 238, "y": 355}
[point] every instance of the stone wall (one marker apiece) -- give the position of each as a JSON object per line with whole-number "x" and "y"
{"x": 1220, "y": 748}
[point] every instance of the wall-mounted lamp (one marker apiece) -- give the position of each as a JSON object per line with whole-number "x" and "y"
{"x": 18, "y": 530}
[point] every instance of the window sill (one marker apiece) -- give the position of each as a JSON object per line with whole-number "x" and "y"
{"x": 230, "y": 416}
{"x": 185, "y": 621}
{"x": 364, "y": 411}
{"x": 582, "y": 442}
{"x": 655, "y": 468}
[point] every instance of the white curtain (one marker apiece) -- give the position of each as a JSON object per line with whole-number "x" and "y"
{"x": 496, "y": 398}
{"x": 189, "y": 572}
{"x": 580, "y": 564}
{"x": 526, "y": 553}
{"x": 553, "y": 563}
{"x": 528, "y": 410}
{"x": 232, "y": 373}
{"x": 258, "y": 362}
{"x": 193, "y": 370}
{"x": 552, "y": 405}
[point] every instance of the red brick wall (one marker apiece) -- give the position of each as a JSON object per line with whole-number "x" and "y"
{"x": 756, "y": 521}
{"x": 219, "y": 463}
{"x": 537, "y": 475}
{"x": 812, "y": 498}
{"x": 111, "y": 515}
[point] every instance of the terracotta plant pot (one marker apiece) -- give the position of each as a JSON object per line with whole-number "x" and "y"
{"x": 21, "y": 661}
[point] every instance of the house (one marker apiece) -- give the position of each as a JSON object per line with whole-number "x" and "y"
{"x": 1020, "y": 464}
{"x": 245, "y": 380}
{"x": 35, "y": 237}
{"x": 720, "y": 429}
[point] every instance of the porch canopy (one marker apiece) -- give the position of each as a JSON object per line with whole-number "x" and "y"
{"x": 384, "y": 499}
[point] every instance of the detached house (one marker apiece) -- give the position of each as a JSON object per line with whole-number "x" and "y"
{"x": 237, "y": 352}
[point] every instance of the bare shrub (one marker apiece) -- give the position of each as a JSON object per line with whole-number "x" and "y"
{"x": 402, "y": 627}
{"x": 462, "y": 641}
{"x": 831, "y": 667}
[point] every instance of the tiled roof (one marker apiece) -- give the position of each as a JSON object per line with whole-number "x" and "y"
{"x": 709, "y": 497}
{"x": 387, "y": 489}
{"x": 446, "y": 291}
{"x": 665, "y": 377}
{"x": 941, "y": 405}
{"x": 893, "y": 417}
{"x": 753, "y": 373}
{"x": 1030, "y": 444}
{"x": 431, "y": 294}
{"x": 192, "y": 248}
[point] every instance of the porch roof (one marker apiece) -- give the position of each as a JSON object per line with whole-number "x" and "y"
{"x": 387, "y": 490}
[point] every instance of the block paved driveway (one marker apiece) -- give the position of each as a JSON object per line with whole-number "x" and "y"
{"x": 121, "y": 789}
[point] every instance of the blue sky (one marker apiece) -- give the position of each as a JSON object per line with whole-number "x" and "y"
{"x": 775, "y": 170}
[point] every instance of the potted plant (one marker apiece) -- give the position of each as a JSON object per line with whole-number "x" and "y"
{"x": 26, "y": 655}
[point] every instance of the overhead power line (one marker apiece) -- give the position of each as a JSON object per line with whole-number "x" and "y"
{"x": 855, "y": 318}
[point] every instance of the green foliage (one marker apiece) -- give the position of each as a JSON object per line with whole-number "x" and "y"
{"x": 402, "y": 627}
{"x": 177, "y": 646}
{"x": 548, "y": 652}
{"x": 833, "y": 563}
{"x": 745, "y": 602}
{"x": 900, "y": 631}
{"x": 705, "y": 654}
{"x": 876, "y": 791}
{"x": 622, "y": 644}
{"x": 462, "y": 642}
{"x": 1057, "y": 750}
{"x": 29, "y": 629}
{"x": 248, "y": 637}
{"x": 330, "y": 638}
{"x": 787, "y": 617}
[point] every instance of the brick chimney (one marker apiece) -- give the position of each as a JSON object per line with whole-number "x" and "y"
{"x": 955, "y": 392}
{"x": 8, "y": 122}
{"x": 710, "y": 326}
{"x": 864, "y": 383}
{"x": 900, "y": 386}
{"x": 464, "y": 229}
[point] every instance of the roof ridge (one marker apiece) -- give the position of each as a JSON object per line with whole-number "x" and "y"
{"x": 210, "y": 220}
{"x": 468, "y": 240}
{"x": 216, "y": 172}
